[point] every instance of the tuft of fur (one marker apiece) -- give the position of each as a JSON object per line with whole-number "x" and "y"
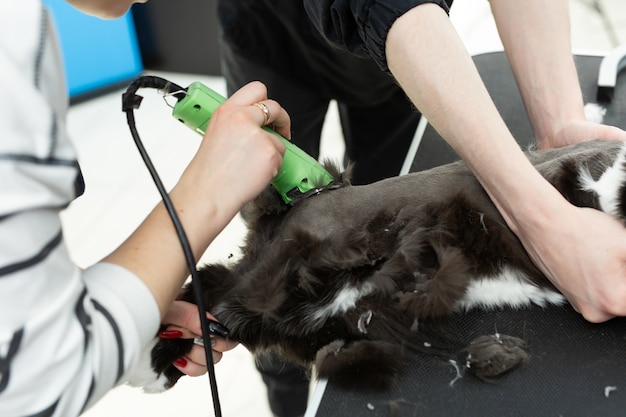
{"x": 594, "y": 112}
{"x": 491, "y": 356}
{"x": 349, "y": 280}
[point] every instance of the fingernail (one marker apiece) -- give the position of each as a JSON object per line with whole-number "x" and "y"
{"x": 170, "y": 334}
{"x": 182, "y": 362}
{"x": 218, "y": 329}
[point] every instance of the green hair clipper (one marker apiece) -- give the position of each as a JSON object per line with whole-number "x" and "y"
{"x": 300, "y": 174}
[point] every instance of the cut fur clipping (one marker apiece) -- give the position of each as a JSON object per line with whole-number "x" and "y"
{"x": 491, "y": 356}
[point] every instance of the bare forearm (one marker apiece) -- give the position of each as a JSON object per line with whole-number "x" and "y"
{"x": 536, "y": 36}
{"x": 154, "y": 253}
{"x": 445, "y": 85}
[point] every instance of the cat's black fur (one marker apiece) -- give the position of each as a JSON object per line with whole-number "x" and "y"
{"x": 404, "y": 248}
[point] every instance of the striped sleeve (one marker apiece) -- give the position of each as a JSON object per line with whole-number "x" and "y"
{"x": 67, "y": 336}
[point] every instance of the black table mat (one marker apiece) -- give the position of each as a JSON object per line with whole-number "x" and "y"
{"x": 575, "y": 369}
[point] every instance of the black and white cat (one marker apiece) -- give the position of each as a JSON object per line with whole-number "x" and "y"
{"x": 350, "y": 279}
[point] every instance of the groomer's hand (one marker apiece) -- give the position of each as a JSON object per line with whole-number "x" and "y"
{"x": 243, "y": 158}
{"x": 579, "y": 130}
{"x": 183, "y": 321}
{"x": 583, "y": 252}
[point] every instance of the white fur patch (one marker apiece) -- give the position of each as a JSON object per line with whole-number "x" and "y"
{"x": 594, "y": 112}
{"x": 344, "y": 300}
{"x": 609, "y": 184}
{"x": 143, "y": 376}
{"x": 508, "y": 289}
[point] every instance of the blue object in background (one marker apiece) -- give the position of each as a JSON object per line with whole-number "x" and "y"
{"x": 98, "y": 54}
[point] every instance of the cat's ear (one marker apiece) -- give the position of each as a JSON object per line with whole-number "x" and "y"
{"x": 360, "y": 364}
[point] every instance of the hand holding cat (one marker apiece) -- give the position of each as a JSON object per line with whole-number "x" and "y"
{"x": 182, "y": 321}
{"x": 583, "y": 251}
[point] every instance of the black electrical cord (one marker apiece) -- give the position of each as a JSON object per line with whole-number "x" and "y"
{"x": 131, "y": 101}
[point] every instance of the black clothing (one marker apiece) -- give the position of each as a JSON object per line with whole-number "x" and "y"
{"x": 361, "y": 26}
{"x": 275, "y": 42}
{"x": 287, "y": 386}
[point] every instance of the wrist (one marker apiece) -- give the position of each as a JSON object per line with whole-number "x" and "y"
{"x": 526, "y": 200}
{"x": 529, "y": 214}
{"x": 203, "y": 210}
{"x": 551, "y": 128}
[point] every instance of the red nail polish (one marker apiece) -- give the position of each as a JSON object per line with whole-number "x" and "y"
{"x": 170, "y": 334}
{"x": 182, "y": 362}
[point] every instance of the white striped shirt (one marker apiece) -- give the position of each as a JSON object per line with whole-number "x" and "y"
{"x": 66, "y": 336}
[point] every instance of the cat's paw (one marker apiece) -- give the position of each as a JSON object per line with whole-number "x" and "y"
{"x": 154, "y": 372}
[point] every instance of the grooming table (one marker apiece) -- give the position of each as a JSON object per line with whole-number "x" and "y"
{"x": 575, "y": 369}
